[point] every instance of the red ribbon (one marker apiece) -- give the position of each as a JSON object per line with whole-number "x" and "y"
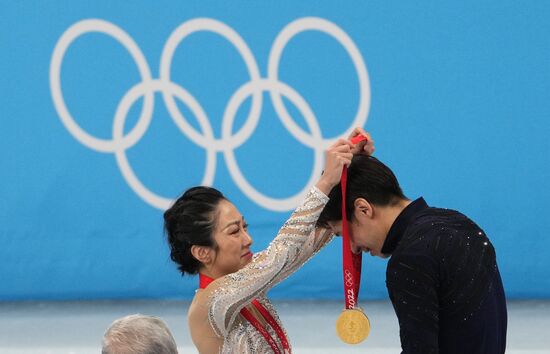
{"x": 352, "y": 262}
{"x": 203, "y": 283}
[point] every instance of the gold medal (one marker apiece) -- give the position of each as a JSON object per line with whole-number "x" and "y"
{"x": 353, "y": 326}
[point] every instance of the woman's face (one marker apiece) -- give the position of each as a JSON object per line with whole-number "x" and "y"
{"x": 232, "y": 239}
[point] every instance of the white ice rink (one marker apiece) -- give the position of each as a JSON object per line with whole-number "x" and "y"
{"x": 77, "y": 327}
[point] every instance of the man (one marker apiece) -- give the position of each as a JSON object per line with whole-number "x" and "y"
{"x": 442, "y": 277}
{"x": 138, "y": 334}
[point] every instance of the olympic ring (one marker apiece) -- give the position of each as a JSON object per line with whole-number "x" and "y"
{"x": 228, "y": 142}
{"x": 348, "y": 278}
{"x": 61, "y": 47}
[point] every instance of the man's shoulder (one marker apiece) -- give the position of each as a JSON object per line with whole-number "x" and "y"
{"x": 434, "y": 214}
{"x": 433, "y": 228}
{"x": 439, "y": 221}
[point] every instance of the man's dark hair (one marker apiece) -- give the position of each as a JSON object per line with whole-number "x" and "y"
{"x": 191, "y": 221}
{"x": 368, "y": 178}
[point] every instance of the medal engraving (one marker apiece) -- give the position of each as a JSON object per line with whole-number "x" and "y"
{"x": 352, "y": 326}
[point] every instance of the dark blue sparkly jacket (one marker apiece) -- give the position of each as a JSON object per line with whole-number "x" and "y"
{"x": 444, "y": 283}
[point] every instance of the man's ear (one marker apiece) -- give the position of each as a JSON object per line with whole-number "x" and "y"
{"x": 202, "y": 253}
{"x": 362, "y": 209}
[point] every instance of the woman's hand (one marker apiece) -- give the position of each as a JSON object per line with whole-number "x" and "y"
{"x": 337, "y": 156}
{"x": 363, "y": 147}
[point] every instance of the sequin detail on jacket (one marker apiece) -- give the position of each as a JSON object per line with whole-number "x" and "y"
{"x": 438, "y": 277}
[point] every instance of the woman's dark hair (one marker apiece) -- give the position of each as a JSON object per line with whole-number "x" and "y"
{"x": 368, "y": 178}
{"x": 191, "y": 221}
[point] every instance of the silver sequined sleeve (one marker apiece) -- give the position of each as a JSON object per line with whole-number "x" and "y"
{"x": 295, "y": 243}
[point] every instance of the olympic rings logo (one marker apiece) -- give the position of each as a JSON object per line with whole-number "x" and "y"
{"x": 348, "y": 278}
{"x": 350, "y": 293}
{"x": 170, "y": 91}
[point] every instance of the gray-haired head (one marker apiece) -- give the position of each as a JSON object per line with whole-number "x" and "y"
{"x": 138, "y": 334}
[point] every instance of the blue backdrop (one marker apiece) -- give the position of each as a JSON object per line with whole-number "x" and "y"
{"x": 93, "y": 142}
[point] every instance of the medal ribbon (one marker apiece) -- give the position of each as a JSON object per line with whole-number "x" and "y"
{"x": 203, "y": 283}
{"x": 351, "y": 261}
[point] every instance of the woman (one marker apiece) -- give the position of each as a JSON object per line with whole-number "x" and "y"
{"x": 230, "y": 313}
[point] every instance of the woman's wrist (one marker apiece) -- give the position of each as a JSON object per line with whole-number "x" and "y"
{"x": 324, "y": 186}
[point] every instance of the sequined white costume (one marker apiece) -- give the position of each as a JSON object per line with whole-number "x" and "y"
{"x": 295, "y": 243}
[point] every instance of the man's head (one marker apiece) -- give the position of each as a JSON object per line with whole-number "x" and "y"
{"x": 374, "y": 200}
{"x": 138, "y": 334}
